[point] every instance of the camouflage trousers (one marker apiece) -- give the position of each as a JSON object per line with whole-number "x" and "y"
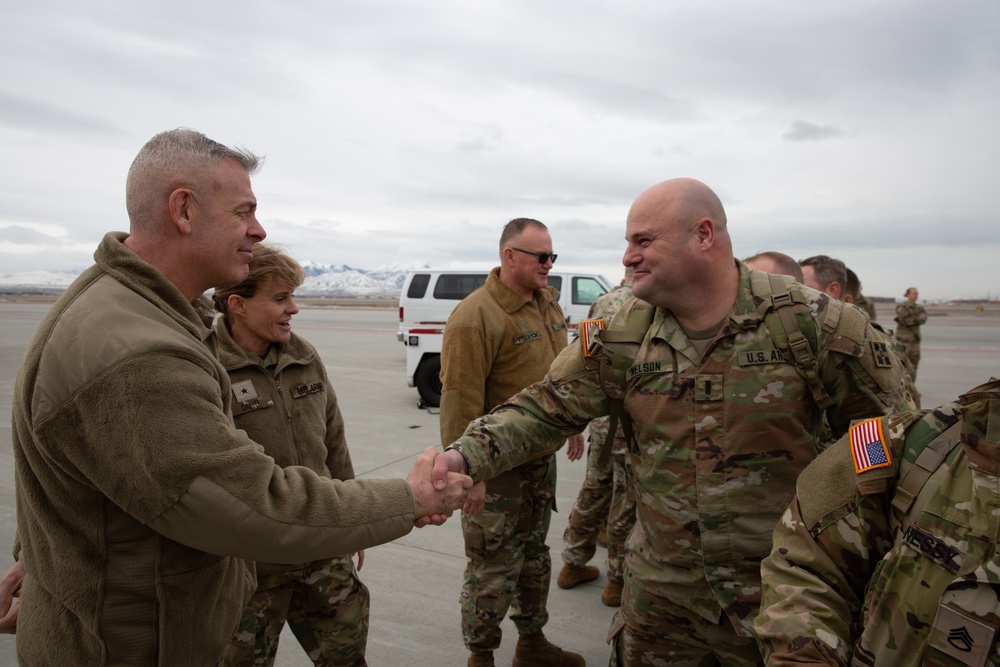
{"x": 621, "y": 516}
{"x": 652, "y": 630}
{"x": 326, "y": 607}
{"x": 912, "y": 348}
{"x": 508, "y": 565}
{"x": 606, "y": 496}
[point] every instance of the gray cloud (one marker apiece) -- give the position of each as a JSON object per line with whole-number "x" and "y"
{"x": 21, "y": 113}
{"x": 399, "y": 131}
{"x": 21, "y": 235}
{"x": 803, "y": 131}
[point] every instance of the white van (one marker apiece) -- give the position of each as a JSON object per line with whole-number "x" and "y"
{"x": 429, "y": 296}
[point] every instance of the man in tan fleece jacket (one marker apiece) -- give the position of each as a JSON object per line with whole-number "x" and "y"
{"x": 137, "y": 498}
{"x": 500, "y": 339}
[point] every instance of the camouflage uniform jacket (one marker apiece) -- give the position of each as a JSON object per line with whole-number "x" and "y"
{"x": 867, "y": 305}
{"x": 719, "y": 440}
{"x": 852, "y": 580}
{"x": 608, "y": 304}
{"x": 290, "y": 409}
{"x": 604, "y": 307}
{"x": 910, "y": 317}
{"x": 495, "y": 344}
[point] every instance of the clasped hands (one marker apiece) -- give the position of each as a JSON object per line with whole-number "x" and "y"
{"x": 441, "y": 485}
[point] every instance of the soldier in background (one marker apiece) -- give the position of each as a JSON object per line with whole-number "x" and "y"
{"x": 859, "y": 299}
{"x": 888, "y": 553}
{"x": 910, "y": 316}
{"x": 772, "y": 261}
{"x": 826, "y": 274}
{"x": 498, "y": 340}
{"x": 854, "y": 290}
{"x": 605, "y": 500}
{"x": 723, "y": 413}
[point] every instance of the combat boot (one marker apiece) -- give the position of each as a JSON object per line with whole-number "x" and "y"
{"x": 481, "y": 659}
{"x": 612, "y": 595}
{"x": 537, "y": 651}
{"x": 572, "y": 576}
{"x": 602, "y": 536}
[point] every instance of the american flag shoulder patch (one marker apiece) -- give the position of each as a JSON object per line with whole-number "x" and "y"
{"x": 868, "y": 447}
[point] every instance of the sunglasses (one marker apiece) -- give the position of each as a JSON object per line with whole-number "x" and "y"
{"x": 542, "y": 256}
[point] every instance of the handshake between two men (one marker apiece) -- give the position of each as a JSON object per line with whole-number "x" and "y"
{"x": 441, "y": 486}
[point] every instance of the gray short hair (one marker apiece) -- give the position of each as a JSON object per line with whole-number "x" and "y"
{"x": 173, "y": 159}
{"x": 827, "y": 270}
{"x": 515, "y": 227}
{"x": 785, "y": 264}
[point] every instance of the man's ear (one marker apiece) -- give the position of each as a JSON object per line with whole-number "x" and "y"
{"x": 181, "y": 205}
{"x": 704, "y": 232}
{"x": 834, "y": 289}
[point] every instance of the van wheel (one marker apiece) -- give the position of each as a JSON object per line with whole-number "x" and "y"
{"x": 428, "y": 381}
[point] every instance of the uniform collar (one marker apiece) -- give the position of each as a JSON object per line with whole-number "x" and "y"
{"x": 511, "y": 301}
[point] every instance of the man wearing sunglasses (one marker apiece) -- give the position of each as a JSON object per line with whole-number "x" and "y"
{"x": 500, "y": 339}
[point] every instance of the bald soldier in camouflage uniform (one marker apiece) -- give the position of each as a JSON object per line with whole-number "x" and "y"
{"x": 888, "y": 554}
{"x": 910, "y": 316}
{"x": 604, "y": 498}
{"x": 724, "y": 377}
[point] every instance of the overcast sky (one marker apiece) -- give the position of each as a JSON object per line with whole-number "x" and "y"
{"x": 399, "y": 131}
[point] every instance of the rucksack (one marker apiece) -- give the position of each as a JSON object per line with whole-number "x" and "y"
{"x": 913, "y": 476}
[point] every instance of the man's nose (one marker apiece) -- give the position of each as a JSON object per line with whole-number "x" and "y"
{"x": 256, "y": 230}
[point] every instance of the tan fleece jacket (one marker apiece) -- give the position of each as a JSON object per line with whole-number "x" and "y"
{"x": 290, "y": 409}
{"x": 496, "y": 343}
{"x": 137, "y": 499}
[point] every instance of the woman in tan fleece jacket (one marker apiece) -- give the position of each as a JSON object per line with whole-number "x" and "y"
{"x": 289, "y": 406}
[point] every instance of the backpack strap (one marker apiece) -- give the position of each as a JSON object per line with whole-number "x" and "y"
{"x": 803, "y": 355}
{"x": 913, "y": 476}
{"x": 616, "y": 349}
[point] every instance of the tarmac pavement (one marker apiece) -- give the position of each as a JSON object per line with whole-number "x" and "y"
{"x": 415, "y": 581}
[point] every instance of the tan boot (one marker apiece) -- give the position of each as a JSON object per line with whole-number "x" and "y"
{"x": 481, "y": 659}
{"x": 573, "y": 575}
{"x": 536, "y": 651}
{"x": 612, "y": 595}
{"x": 602, "y": 536}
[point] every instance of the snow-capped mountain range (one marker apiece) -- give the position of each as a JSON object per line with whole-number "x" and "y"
{"x": 321, "y": 280}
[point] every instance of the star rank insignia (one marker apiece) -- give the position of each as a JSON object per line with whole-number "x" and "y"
{"x": 243, "y": 391}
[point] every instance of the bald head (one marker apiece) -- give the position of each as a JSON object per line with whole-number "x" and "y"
{"x": 680, "y": 249}
{"x": 683, "y": 202}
